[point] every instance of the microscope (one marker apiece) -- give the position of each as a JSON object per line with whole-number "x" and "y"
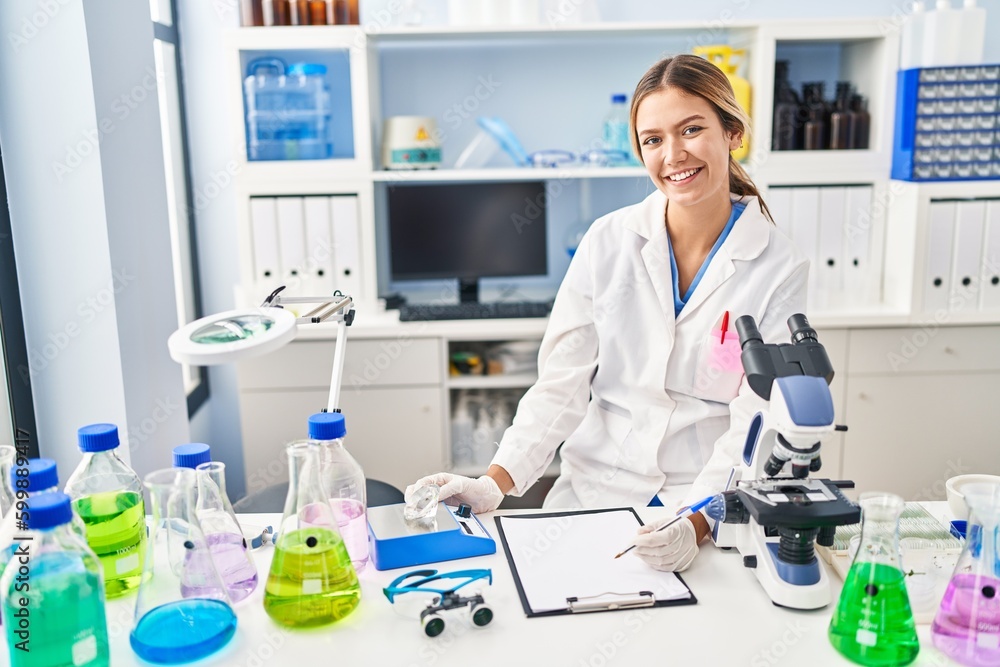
{"x": 771, "y": 511}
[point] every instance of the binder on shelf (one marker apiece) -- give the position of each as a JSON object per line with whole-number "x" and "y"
{"x": 829, "y": 267}
{"x": 291, "y": 242}
{"x": 564, "y": 563}
{"x": 990, "y": 276}
{"x": 970, "y": 217}
{"x": 264, "y": 239}
{"x": 779, "y": 202}
{"x": 937, "y": 269}
{"x": 346, "y": 245}
{"x": 805, "y": 223}
{"x": 859, "y": 270}
{"x": 319, "y": 245}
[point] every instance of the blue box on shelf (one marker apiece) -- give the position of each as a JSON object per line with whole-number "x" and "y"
{"x": 947, "y": 124}
{"x": 288, "y": 111}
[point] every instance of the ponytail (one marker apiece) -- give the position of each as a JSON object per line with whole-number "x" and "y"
{"x": 740, "y": 184}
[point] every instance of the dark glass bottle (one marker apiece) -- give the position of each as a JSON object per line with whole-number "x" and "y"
{"x": 282, "y": 12}
{"x": 860, "y": 122}
{"x": 786, "y": 133}
{"x": 840, "y": 119}
{"x": 816, "y": 135}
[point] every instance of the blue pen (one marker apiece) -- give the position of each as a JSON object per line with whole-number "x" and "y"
{"x": 684, "y": 513}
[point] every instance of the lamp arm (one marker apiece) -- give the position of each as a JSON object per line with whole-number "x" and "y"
{"x": 338, "y": 367}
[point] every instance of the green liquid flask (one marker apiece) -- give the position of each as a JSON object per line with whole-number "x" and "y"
{"x": 107, "y": 495}
{"x": 873, "y": 624}
{"x": 58, "y": 618}
{"x": 312, "y": 581}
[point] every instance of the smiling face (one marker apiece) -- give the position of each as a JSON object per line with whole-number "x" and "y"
{"x": 685, "y": 148}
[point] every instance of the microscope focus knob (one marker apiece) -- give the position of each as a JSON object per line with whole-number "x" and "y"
{"x": 464, "y": 511}
{"x": 750, "y": 561}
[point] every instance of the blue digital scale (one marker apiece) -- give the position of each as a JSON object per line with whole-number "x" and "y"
{"x": 395, "y": 542}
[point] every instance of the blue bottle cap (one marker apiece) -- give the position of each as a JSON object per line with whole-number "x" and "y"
{"x": 327, "y": 426}
{"x": 618, "y": 98}
{"x": 305, "y": 69}
{"x": 41, "y": 475}
{"x": 48, "y": 510}
{"x": 97, "y": 437}
{"x": 191, "y": 455}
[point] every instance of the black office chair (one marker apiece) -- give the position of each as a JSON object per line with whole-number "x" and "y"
{"x": 271, "y": 500}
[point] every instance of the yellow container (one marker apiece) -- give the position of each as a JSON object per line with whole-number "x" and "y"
{"x": 729, "y": 61}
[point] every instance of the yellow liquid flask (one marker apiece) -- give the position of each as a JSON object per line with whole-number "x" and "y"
{"x": 183, "y": 612}
{"x": 312, "y": 581}
{"x": 873, "y": 624}
{"x": 729, "y": 61}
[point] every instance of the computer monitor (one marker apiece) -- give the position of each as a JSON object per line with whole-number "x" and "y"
{"x": 467, "y": 231}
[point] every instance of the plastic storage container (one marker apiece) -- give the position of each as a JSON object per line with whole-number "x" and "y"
{"x": 344, "y": 481}
{"x": 729, "y": 60}
{"x": 288, "y": 111}
{"x": 107, "y": 495}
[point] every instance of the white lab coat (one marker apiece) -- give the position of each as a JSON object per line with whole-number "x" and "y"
{"x": 642, "y": 401}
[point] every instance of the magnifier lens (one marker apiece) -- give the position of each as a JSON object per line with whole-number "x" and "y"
{"x": 232, "y": 329}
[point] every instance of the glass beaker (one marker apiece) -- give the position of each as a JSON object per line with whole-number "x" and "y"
{"x": 312, "y": 581}
{"x": 873, "y": 623}
{"x": 182, "y": 613}
{"x": 223, "y": 533}
{"x": 967, "y": 625}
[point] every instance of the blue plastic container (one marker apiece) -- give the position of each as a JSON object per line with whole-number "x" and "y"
{"x": 288, "y": 111}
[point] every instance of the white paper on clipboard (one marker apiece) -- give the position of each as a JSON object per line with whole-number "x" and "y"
{"x": 573, "y": 555}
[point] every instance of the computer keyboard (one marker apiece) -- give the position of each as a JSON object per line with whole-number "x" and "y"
{"x": 473, "y": 311}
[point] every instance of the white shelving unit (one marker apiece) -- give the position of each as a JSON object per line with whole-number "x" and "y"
{"x": 553, "y": 90}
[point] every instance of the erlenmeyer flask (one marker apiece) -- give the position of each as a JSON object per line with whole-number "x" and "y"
{"x": 967, "y": 624}
{"x": 223, "y": 533}
{"x": 182, "y": 613}
{"x": 873, "y": 624}
{"x": 312, "y": 581}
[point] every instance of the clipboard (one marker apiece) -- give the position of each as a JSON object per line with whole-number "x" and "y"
{"x": 553, "y": 558}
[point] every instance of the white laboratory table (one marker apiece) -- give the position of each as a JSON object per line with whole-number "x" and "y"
{"x": 733, "y": 623}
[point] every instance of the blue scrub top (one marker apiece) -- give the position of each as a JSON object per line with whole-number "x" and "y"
{"x": 738, "y": 208}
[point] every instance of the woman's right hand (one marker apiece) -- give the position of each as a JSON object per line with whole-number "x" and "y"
{"x": 481, "y": 494}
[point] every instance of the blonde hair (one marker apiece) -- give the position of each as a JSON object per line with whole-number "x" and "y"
{"x": 694, "y": 75}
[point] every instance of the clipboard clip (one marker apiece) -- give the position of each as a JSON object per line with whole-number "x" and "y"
{"x": 601, "y": 603}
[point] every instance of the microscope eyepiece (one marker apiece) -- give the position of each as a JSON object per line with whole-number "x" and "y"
{"x": 748, "y": 331}
{"x": 798, "y": 325}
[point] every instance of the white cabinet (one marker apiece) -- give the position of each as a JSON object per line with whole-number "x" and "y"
{"x": 921, "y": 407}
{"x": 392, "y": 399}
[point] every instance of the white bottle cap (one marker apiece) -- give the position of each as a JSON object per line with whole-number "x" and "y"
{"x": 943, "y": 4}
{"x": 969, "y": 4}
{"x": 918, "y": 6}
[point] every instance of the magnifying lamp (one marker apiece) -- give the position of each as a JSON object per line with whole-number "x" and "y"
{"x": 235, "y": 335}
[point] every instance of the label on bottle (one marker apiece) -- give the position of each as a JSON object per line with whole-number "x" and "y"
{"x": 85, "y": 650}
{"x": 127, "y": 564}
{"x": 866, "y": 637}
{"x": 312, "y": 586}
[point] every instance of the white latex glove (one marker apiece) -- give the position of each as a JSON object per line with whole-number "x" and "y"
{"x": 481, "y": 494}
{"x": 672, "y": 549}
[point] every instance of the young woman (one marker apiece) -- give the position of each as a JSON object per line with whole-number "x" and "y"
{"x": 636, "y": 379}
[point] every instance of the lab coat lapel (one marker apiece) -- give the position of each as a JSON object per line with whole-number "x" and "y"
{"x": 719, "y": 271}
{"x": 649, "y": 223}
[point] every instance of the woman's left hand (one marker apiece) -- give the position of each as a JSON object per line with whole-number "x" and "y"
{"x": 670, "y": 550}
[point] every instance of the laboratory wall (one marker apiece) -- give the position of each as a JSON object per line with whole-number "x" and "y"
{"x": 79, "y": 127}
{"x": 213, "y": 136}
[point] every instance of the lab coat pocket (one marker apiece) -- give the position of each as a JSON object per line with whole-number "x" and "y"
{"x": 720, "y": 369}
{"x": 617, "y": 421}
